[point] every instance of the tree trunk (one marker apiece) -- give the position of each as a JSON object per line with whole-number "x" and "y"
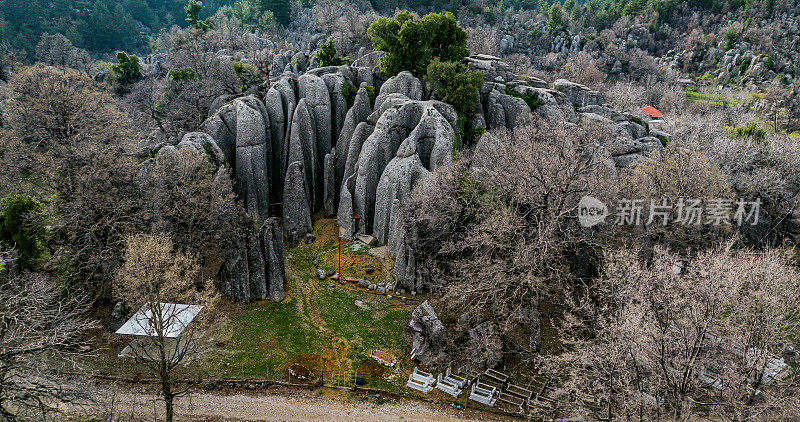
{"x": 166, "y": 391}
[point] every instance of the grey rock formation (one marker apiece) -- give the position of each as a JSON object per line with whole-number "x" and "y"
{"x": 493, "y": 69}
{"x": 203, "y": 143}
{"x": 271, "y": 235}
{"x": 273, "y": 103}
{"x": 404, "y": 83}
{"x": 255, "y": 269}
{"x": 241, "y": 129}
{"x": 391, "y": 129}
{"x": 358, "y": 113}
{"x": 503, "y": 110}
{"x": 578, "y": 94}
{"x": 303, "y": 149}
{"x": 253, "y": 156}
{"x": 313, "y": 90}
{"x": 329, "y": 184}
{"x": 427, "y": 334}
{"x": 296, "y": 210}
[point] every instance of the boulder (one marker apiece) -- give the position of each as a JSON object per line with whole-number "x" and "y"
{"x": 203, "y": 143}
{"x": 427, "y": 334}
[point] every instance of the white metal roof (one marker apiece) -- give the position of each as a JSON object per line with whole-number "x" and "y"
{"x": 175, "y": 316}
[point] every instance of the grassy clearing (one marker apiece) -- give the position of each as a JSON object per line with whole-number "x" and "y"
{"x": 718, "y": 100}
{"x": 317, "y": 325}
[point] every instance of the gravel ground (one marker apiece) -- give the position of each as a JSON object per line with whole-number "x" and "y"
{"x": 284, "y": 406}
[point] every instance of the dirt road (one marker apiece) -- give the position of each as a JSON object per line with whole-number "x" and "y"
{"x": 309, "y": 406}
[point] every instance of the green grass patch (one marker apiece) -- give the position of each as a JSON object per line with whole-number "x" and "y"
{"x": 713, "y": 99}
{"x": 319, "y": 318}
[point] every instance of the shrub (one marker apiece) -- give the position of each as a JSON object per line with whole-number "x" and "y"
{"x": 349, "y": 92}
{"x": 555, "y": 19}
{"x": 371, "y": 94}
{"x": 750, "y": 130}
{"x": 455, "y": 85}
{"x": 411, "y": 44}
{"x": 185, "y": 74}
{"x": 248, "y": 75}
{"x": 730, "y": 37}
{"x": 127, "y": 70}
{"x": 532, "y": 101}
{"x": 328, "y": 56}
{"x": 23, "y": 227}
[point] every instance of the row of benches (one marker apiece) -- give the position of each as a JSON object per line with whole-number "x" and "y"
{"x": 487, "y": 388}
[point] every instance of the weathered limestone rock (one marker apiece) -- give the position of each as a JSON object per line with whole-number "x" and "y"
{"x": 329, "y": 184}
{"x": 253, "y": 156}
{"x": 493, "y": 68}
{"x": 313, "y": 90}
{"x": 296, "y": 209}
{"x": 427, "y": 334}
{"x": 399, "y": 178}
{"x": 235, "y": 277}
{"x": 303, "y": 149}
{"x": 271, "y": 236}
{"x": 273, "y": 103}
{"x": 358, "y": 113}
{"x": 334, "y": 82}
{"x": 255, "y": 269}
{"x": 404, "y": 83}
{"x": 205, "y": 144}
{"x": 503, "y": 110}
{"x": 222, "y": 127}
{"x": 578, "y": 94}
{"x": 240, "y": 130}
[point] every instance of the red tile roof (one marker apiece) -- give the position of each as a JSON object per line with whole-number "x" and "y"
{"x": 652, "y": 112}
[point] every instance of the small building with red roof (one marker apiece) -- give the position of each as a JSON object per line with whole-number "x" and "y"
{"x": 652, "y": 112}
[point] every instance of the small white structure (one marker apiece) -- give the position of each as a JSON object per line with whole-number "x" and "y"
{"x": 145, "y": 328}
{"x": 483, "y": 393}
{"x": 450, "y": 384}
{"x": 420, "y": 380}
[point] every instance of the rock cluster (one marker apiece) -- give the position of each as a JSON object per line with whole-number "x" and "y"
{"x": 298, "y": 149}
{"x": 255, "y": 270}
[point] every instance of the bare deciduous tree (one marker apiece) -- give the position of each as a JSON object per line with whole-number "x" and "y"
{"x": 40, "y": 339}
{"x": 155, "y": 278}
{"x": 495, "y": 232}
{"x": 646, "y": 341}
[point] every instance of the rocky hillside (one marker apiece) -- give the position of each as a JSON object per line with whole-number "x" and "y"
{"x": 304, "y": 147}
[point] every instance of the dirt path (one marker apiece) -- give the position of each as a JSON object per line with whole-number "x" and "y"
{"x": 308, "y": 406}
